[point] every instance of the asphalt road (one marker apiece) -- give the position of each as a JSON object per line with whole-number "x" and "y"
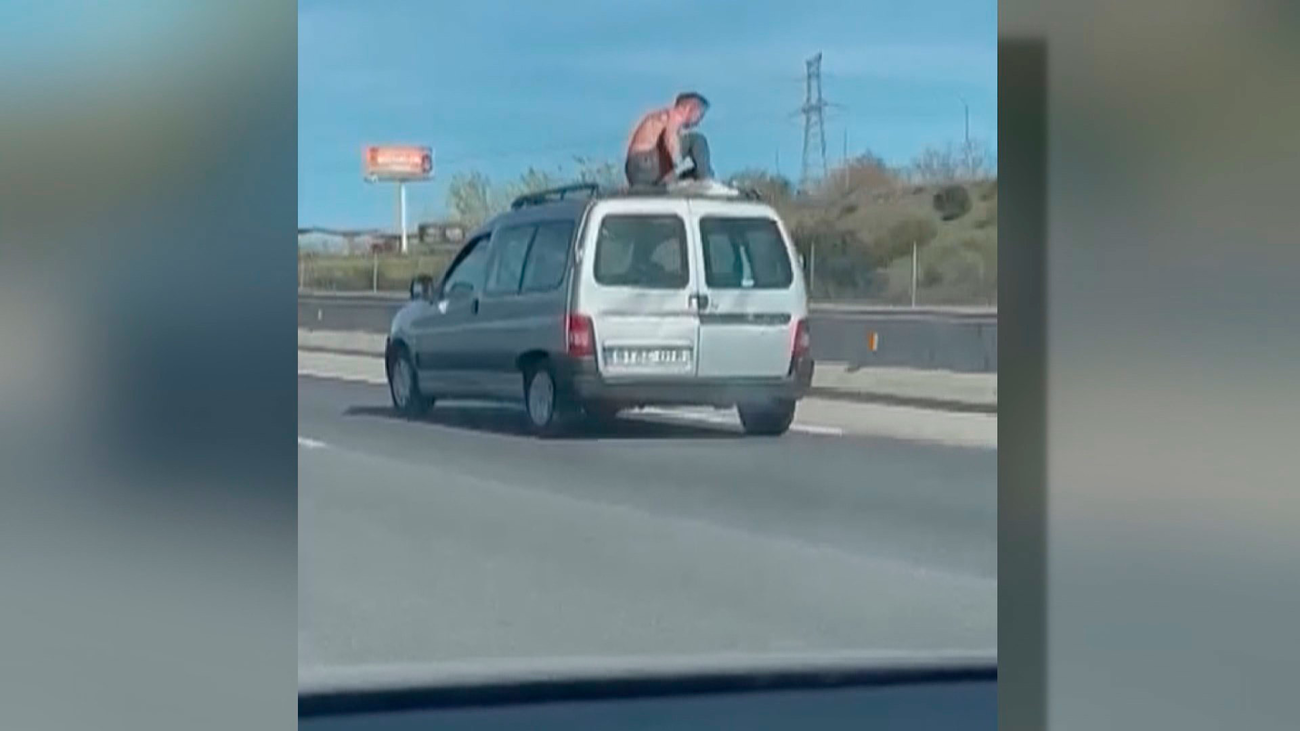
{"x": 457, "y": 537}
{"x": 948, "y": 339}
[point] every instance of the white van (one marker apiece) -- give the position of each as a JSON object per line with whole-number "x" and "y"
{"x": 602, "y": 301}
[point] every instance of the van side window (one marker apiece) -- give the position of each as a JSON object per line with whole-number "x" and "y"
{"x": 469, "y": 267}
{"x": 647, "y": 251}
{"x": 744, "y": 253}
{"x": 548, "y": 257}
{"x": 511, "y": 245}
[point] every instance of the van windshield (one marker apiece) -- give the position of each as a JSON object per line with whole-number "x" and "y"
{"x": 744, "y": 253}
{"x": 646, "y": 251}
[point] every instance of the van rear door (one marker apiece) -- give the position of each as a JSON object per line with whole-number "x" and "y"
{"x": 752, "y": 296}
{"x": 639, "y": 286}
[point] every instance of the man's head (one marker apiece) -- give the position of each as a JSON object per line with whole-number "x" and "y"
{"x": 691, "y": 106}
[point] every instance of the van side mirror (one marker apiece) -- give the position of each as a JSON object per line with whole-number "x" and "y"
{"x": 421, "y": 287}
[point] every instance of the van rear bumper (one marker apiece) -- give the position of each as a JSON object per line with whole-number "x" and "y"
{"x": 584, "y": 381}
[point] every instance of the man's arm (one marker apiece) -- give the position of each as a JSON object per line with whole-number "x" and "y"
{"x": 673, "y": 139}
{"x": 677, "y": 171}
{"x": 673, "y": 144}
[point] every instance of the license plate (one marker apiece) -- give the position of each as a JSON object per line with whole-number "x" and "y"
{"x": 663, "y": 357}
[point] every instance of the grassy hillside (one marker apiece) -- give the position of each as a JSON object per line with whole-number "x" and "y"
{"x": 856, "y": 234}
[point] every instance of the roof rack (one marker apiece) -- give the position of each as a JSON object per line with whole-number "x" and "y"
{"x": 553, "y": 194}
{"x": 661, "y": 191}
{"x": 593, "y": 190}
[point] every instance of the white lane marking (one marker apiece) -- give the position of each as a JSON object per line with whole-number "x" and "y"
{"x": 731, "y": 420}
{"x": 833, "y": 431}
{"x": 336, "y": 376}
{"x": 311, "y": 443}
{"x": 706, "y": 416}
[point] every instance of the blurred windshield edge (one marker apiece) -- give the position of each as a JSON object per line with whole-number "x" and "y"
{"x": 362, "y": 685}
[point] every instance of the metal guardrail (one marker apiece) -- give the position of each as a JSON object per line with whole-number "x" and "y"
{"x": 829, "y": 306}
{"x": 957, "y": 339}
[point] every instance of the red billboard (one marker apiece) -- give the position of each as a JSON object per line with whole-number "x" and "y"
{"x": 397, "y": 162}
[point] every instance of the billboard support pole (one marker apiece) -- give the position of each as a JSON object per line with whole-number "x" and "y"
{"x": 401, "y": 195}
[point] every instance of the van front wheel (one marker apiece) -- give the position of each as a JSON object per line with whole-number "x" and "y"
{"x": 404, "y": 387}
{"x": 768, "y": 419}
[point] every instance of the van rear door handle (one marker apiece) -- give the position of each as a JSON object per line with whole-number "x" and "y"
{"x": 701, "y": 301}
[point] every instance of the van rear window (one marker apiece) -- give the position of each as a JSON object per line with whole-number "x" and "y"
{"x": 744, "y": 253}
{"x": 647, "y": 251}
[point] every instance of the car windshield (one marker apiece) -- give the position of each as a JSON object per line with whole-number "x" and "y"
{"x": 727, "y": 393}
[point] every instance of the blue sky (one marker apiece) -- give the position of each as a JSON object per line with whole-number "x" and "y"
{"x": 499, "y": 85}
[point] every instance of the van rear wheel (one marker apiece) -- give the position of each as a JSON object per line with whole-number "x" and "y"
{"x": 544, "y": 402}
{"x": 767, "y": 419}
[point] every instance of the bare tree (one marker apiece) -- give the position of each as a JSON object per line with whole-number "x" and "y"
{"x": 976, "y": 159}
{"x": 865, "y": 172}
{"x": 531, "y": 181}
{"x": 604, "y": 173}
{"x": 936, "y": 165}
{"x": 470, "y": 198}
{"x": 952, "y": 163}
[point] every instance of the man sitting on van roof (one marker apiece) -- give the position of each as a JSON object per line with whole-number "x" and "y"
{"x": 663, "y": 148}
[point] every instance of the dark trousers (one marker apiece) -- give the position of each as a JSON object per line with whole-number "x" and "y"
{"x": 695, "y": 147}
{"x": 645, "y": 168}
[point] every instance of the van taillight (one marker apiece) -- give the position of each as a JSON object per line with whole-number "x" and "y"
{"x": 580, "y": 336}
{"x": 802, "y": 340}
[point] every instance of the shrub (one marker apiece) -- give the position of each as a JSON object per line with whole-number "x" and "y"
{"x": 387, "y": 272}
{"x": 863, "y": 173}
{"x": 948, "y": 271}
{"x": 844, "y": 266}
{"x": 952, "y": 202}
{"x": 898, "y": 239}
{"x": 773, "y": 188}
